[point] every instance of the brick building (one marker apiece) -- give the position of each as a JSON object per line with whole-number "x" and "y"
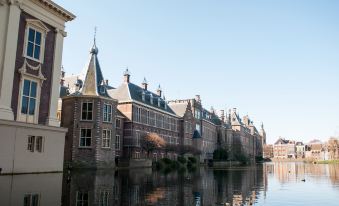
{"x": 284, "y": 149}
{"x": 145, "y": 112}
{"x": 32, "y": 34}
{"x": 90, "y": 115}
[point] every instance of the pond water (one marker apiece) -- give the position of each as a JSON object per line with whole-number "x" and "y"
{"x": 263, "y": 184}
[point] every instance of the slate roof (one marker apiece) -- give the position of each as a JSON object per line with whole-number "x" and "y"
{"x": 128, "y": 91}
{"x": 282, "y": 141}
{"x": 93, "y": 83}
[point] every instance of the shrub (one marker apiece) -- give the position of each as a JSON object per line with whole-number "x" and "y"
{"x": 192, "y": 160}
{"x": 182, "y": 159}
{"x": 241, "y": 158}
{"x": 220, "y": 155}
{"x": 166, "y": 160}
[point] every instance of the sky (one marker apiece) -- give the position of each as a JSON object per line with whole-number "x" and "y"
{"x": 276, "y": 61}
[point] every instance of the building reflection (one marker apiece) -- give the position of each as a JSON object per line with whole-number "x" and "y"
{"x": 31, "y": 189}
{"x": 233, "y": 186}
{"x": 144, "y": 187}
{"x": 296, "y": 171}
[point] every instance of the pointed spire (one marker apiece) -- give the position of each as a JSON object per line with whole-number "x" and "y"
{"x": 94, "y": 81}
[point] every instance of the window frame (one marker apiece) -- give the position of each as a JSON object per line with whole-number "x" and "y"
{"x": 118, "y": 126}
{"x": 37, "y": 26}
{"x": 82, "y": 108}
{"x": 26, "y": 117}
{"x": 108, "y": 113}
{"x": 117, "y": 143}
{"x": 80, "y": 137}
{"x": 107, "y": 140}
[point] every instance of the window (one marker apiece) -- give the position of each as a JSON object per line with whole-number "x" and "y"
{"x": 118, "y": 123}
{"x": 87, "y": 111}
{"x": 106, "y": 138}
{"x": 30, "y": 145}
{"x": 147, "y": 118}
{"x": 82, "y": 199}
{"x": 35, "y": 143}
{"x": 104, "y": 197}
{"x": 139, "y": 115}
{"x": 85, "y": 137}
{"x": 143, "y": 96}
{"x": 107, "y": 113}
{"x": 151, "y": 98}
{"x": 117, "y": 142}
{"x": 31, "y": 200}
{"x": 33, "y": 46}
{"x": 28, "y": 104}
{"x": 137, "y": 139}
{"x": 38, "y": 144}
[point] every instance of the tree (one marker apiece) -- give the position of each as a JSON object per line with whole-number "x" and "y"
{"x": 151, "y": 142}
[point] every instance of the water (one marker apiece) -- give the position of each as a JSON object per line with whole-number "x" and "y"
{"x": 267, "y": 184}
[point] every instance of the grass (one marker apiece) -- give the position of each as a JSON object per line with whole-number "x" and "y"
{"x": 327, "y": 162}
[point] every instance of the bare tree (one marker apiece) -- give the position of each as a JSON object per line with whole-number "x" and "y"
{"x": 151, "y": 142}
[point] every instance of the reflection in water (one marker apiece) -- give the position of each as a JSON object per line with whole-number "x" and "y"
{"x": 267, "y": 184}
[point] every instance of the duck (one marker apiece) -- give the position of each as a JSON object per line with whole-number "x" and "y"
{"x": 303, "y": 180}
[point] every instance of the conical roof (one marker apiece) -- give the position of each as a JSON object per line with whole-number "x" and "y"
{"x": 94, "y": 83}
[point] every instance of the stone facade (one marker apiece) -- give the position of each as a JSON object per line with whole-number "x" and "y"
{"x": 30, "y": 63}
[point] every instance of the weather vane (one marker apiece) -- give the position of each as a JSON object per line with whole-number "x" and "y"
{"x": 95, "y": 33}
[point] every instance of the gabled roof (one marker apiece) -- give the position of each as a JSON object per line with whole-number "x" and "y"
{"x": 179, "y": 108}
{"x": 130, "y": 92}
{"x": 282, "y": 141}
{"x": 235, "y": 119}
{"x": 93, "y": 83}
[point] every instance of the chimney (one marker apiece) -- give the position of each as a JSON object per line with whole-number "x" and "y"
{"x": 222, "y": 115}
{"x": 126, "y": 76}
{"x": 197, "y": 97}
{"x": 159, "y": 91}
{"x": 144, "y": 84}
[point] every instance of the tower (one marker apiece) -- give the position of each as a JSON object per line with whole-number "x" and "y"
{"x": 89, "y": 114}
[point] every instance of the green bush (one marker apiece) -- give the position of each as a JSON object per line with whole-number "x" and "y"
{"x": 192, "y": 160}
{"x": 220, "y": 155}
{"x": 166, "y": 160}
{"x": 241, "y": 158}
{"x": 182, "y": 159}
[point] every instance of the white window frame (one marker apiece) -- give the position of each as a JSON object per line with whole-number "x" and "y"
{"x": 80, "y": 137}
{"x": 108, "y": 113}
{"x": 30, "y": 199}
{"x": 27, "y": 117}
{"x": 81, "y": 201}
{"x": 82, "y": 109}
{"x": 117, "y": 142}
{"x": 40, "y": 27}
{"x": 106, "y": 139}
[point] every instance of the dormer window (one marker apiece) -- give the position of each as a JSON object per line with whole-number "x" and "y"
{"x": 159, "y": 102}
{"x": 36, "y": 33}
{"x": 143, "y": 96}
{"x": 151, "y": 98}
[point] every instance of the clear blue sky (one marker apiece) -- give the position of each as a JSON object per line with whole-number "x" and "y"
{"x": 277, "y": 61}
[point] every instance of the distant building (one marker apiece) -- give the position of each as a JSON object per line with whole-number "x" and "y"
{"x": 300, "y": 150}
{"x": 90, "y": 115}
{"x": 32, "y": 34}
{"x": 268, "y": 151}
{"x": 284, "y": 149}
{"x": 315, "y": 149}
{"x": 333, "y": 148}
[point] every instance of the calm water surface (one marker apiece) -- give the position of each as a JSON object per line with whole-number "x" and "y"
{"x": 267, "y": 184}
